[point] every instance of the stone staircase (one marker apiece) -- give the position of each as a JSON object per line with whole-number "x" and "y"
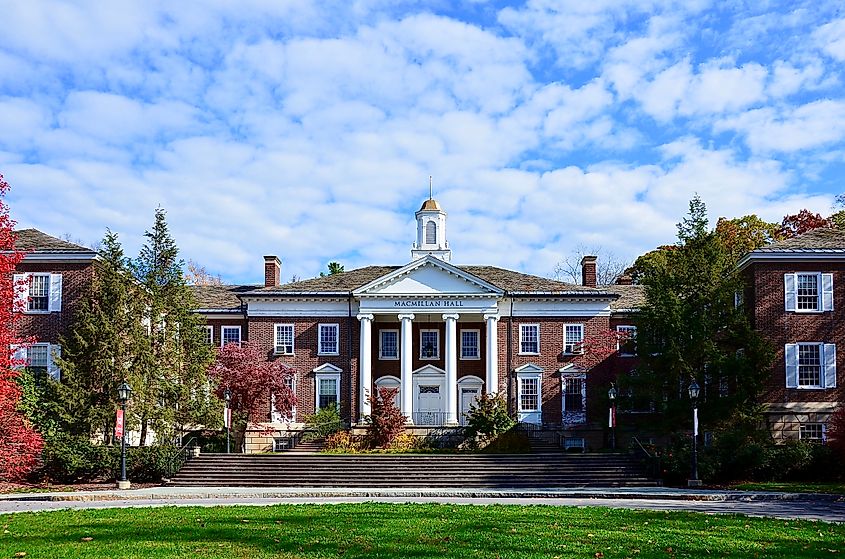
{"x": 291, "y": 469}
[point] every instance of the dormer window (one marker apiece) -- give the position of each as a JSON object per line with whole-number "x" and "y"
{"x": 431, "y": 233}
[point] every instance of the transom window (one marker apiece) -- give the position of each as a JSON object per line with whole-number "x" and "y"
{"x": 389, "y": 345}
{"x": 807, "y": 292}
{"x": 626, "y": 341}
{"x": 284, "y": 339}
{"x": 328, "y": 391}
{"x": 469, "y": 344}
{"x": 39, "y": 293}
{"x": 529, "y": 395}
{"x": 230, "y": 335}
{"x": 328, "y": 339}
{"x": 529, "y": 338}
{"x": 573, "y": 394}
{"x": 812, "y": 432}
{"x": 573, "y": 338}
{"x": 809, "y": 365}
{"x": 429, "y": 344}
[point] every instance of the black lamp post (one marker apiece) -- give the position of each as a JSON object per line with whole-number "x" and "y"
{"x": 227, "y": 396}
{"x": 124, "y": 392}
{"x": 611, "y": 395}
{"x": 694, "y": 390}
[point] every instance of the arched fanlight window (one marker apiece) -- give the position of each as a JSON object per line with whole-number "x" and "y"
{"x": 430, "y": 233}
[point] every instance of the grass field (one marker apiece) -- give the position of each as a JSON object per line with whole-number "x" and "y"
{"x": 385, "y": 530}
{"x": 793, "y": 487}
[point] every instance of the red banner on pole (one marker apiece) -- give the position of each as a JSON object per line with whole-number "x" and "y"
{"x": 118, "y": 425}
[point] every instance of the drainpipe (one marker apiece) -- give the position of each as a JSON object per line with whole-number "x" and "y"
{"x": 510, "y": 360}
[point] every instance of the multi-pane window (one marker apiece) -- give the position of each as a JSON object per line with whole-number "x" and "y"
{"x": 429, "y": 344}
{"x": 39, "y": 293}
{"x": 327, "y": 392}
{"x": 807, "y": 289}
{"x": 283, "y": 342}
{"x": 469, "y": 344}
{"x": 573, "y": 338}
{"x": 809, "y": 365}
{"x": 626, "y": 340}
{"x": 573, "y": 400}
{"x": 812, "y": 432}
{"x": 38, "y": 358}
{"x": 230, "y": 335}
{"x": 529, "y": 338}
{"x": 328, "y": 342}
{"x": 208, "y": 334}
{"x": 389, "y": 344}
{"x": 529, "y": 395}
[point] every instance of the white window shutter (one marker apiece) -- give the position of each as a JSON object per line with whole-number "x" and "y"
{"x": 791, "y": 351}
{"x": 19, "y": 354}
{"x": 21, "y": 287}
{"x": 789, "y": 281}
{"x": 54, "y": 352}
{"x": 55, "y": 292}
{"x": 827, "y": 292}
{"x": 830, "y": 365}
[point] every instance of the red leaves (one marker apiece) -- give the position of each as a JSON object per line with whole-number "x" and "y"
{"x": 805, "y": 220}
{"x": 386, "y": 421}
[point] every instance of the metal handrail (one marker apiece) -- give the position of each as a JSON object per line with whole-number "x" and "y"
{"x": 181, "y": 456}
{"x": 653, "y": 460}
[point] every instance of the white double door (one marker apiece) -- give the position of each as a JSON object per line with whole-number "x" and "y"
{"x": 430, "y": 404}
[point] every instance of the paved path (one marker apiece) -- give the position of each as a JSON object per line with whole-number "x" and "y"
{"x": 777, "y": 505}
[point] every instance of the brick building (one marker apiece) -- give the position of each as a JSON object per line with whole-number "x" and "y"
{"x": 440, "y": 333}
{"x": 50, "y": 282}
{"x": 795, "y": 295}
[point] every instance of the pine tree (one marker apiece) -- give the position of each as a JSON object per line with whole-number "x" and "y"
{"x": 172, "y": 391}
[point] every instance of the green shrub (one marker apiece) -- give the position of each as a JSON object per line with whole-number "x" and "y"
{"x": 69, "y": 459}
{"x": 488, "y": 416}
{"x": 342, "y": 442}
{"x": 323, "y": 423}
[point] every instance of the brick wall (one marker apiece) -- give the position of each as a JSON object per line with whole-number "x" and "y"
{"x": 218, "y": 323}
{"x": 76, "y": 280}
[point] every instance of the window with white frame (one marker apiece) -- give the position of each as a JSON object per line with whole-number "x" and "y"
{"x": 573, "y": 338}
{"x": 283, "y": 339}
{"x": 626, "y": 340}
{"x": 328, "y": 390}
{"x": 529, "y": 338}
{"x": 810, "y": 365}
{"x": 328, "y": 339}
{"x": 230, "y": 335}
{"x": 429, "y": 344}
{"x": 39, "y": 293}
{"x": 574, "y": 393}
{"x": 388, "y": 344}
{"x": 469, "y": 344}
{"x": 277, "y": 417}
{"x": 208, "y": 335}
{"x": 812, "y": 432}
{"x": 808, "y": 292}
{"x": 529, "y": 393}
{"x": 38, "y": 358}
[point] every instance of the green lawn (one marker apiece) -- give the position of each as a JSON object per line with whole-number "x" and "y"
{"x": 793, "y": 487}
{"x": 386, "y": 530}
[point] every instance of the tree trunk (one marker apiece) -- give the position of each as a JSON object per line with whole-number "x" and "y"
{"x": 143, "y": 432}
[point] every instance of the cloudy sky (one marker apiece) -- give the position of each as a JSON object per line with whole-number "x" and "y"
{"x": 309, "y": 129}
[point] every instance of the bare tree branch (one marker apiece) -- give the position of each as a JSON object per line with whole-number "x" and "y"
{"x": 608, "y": 265}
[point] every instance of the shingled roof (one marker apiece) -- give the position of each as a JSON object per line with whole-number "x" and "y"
{"x": 631, "y": 297}
{"x": 220, "y": 297}
{"x": 33, "y": 240}
{"x": 817, "y": 240}
{"x": 508, "y": 280}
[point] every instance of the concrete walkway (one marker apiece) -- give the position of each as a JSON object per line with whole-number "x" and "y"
{"x": 753, "y": 503}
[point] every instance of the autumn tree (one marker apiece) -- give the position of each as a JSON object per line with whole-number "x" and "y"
{"x": 252, "y": 380}
{"x": 169, "y": 378}
{"x": 386, "y": 421}
{"x": 689, "y": 328}
{"x": 196, "y": 274}
{"x": 608, "y": 266}
{"x": 20, "y": 443}
{"x": 744, "y": 234}
{"x": 805, "y": 220}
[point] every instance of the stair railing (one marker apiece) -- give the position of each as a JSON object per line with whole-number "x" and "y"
{"x": 652, "y": 460}
{"x": 179, "y": 457}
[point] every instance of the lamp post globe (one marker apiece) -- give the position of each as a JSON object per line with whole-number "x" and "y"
{"x": 611, "y": 396}
{"x": 124, "y": 392}
{"x": 694, "y": 391}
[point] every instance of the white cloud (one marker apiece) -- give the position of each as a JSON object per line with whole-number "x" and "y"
{"x": 830, "y": 37}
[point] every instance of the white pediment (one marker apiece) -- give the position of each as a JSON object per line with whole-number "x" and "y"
{"x": 429, "y": 277}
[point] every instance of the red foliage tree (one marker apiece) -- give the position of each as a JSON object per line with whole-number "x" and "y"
{"x": 386, "y": 421}
{"x": 20, "y": 443}
{"x": 245, "y": 370}
{"x": 798, "y": 224}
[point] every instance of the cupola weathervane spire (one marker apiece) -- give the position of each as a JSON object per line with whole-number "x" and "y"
{"x": 430, "y": 190}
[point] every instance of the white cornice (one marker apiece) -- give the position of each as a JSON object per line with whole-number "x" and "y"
{"x": 789, "y": 256}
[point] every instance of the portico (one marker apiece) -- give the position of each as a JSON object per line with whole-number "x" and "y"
{"x": 434, "y": 319}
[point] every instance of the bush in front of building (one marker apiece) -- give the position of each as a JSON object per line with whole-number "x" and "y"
{"x": 487, "y": 419}
{"x": 325, "y": 422}
{"x": 386, "y": 421}
{"x": 343, "y": 442}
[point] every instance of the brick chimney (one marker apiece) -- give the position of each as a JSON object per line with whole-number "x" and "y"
{"x": 272, "y": 271}
{"x": 588, "y": 271}
{"x": 624, "y": 279}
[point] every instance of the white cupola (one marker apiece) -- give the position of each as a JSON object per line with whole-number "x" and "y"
{"x": 431, "y": 232}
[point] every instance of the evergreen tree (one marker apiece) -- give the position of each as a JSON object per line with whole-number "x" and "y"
{"x": 101, "y": 348}
{"x": 172, "y": 390}
{"x": 691, "y": 328}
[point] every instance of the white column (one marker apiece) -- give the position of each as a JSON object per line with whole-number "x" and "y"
{"x": 451, "y": 368}
{"x": 492, "y": 381}
{"x": 406, "y": 384}
{"x": 365, "y": 366}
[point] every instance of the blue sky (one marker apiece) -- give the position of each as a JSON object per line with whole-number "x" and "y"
{"x": 309, "y": 129}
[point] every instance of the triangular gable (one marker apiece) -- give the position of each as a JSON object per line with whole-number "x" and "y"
{"x": 572, "y": 368}
{"x": 327, "y": 368}
{"x": 429, "y": 276}
{"x": 529, "y": 368}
